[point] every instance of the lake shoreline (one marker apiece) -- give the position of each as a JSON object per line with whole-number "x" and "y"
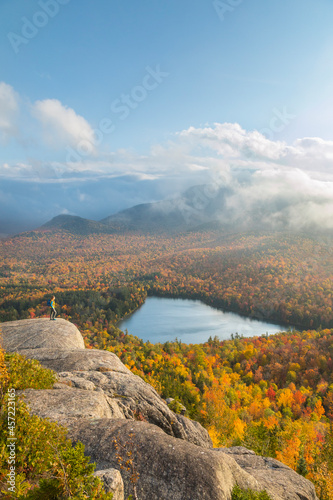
{"x": 222, "y": 309}
{"x": 229, "y": 309}
{"x": 191, "y": 321}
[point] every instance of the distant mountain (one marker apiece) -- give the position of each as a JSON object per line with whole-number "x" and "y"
{"x": 197, "y": 207}
{"x": 148, "y": 217}
{"x": 184, "y": 212}
{"x": 75, "y": 225}
{"x": 200, "y": 208}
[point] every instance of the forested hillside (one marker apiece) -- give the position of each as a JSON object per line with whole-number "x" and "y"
{"x": 282, "y": 277}
{"x": 272, "y": 394}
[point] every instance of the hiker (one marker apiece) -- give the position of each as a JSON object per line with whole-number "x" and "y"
{"x": 53, "y": 310}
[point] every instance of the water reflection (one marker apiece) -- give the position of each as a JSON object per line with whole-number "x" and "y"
{"x": 191, "y": 321}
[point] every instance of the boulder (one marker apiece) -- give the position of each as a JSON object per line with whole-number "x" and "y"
{"x": 276, "y": 478}
{"x": 113, "y": 482}
{"x": 193, "y": 432}
{"x": 166, "y": 468}
{"x": 39, "y": 333}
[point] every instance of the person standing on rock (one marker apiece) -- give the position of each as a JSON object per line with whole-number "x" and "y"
{"x": 53, "y": 310}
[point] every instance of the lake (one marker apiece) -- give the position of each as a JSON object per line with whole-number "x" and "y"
{"x": 191, "y": 321}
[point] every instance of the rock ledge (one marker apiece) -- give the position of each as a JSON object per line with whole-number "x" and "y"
{"x": 100, "y": 402}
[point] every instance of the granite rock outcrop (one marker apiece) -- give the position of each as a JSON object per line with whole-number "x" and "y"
{"x": 112, "y": 411}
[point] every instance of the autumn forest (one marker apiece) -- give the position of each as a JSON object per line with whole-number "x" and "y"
{"x": 272, "y": 394}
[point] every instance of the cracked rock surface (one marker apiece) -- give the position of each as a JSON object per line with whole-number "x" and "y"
{"x": 278, "y": 479}
{"x": 99, "y": 401}
{"x": 91, "y": 374}
{"x": 168, "y": 468}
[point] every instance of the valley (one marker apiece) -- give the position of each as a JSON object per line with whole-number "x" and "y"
{"x": 272, "y": 394}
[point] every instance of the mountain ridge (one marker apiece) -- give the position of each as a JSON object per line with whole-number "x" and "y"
{"x": 193, "y": 208}
{"x": 199, "y": 208}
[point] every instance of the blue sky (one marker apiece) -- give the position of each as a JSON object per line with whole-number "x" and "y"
{"x": 111, "y": 103}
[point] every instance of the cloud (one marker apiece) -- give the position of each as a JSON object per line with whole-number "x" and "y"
{"x": 261, "y": 183}
{"x": 251, "y": 149}
{"x": 281, "y": 199}
{"x": 9, "y": 109}
{"x": 62, "y": 126}
{"x": 232, "y": 141}
{"x": 257, "y": 181}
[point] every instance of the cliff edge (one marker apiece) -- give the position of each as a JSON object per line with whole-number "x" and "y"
{"x": 114, "y": 412}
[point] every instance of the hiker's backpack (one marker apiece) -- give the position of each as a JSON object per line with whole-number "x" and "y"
{"x": 49, "y": 302}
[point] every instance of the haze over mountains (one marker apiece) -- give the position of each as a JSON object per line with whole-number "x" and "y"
{"x": 183, "y": 212}
{"x": 200, "y": 207}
